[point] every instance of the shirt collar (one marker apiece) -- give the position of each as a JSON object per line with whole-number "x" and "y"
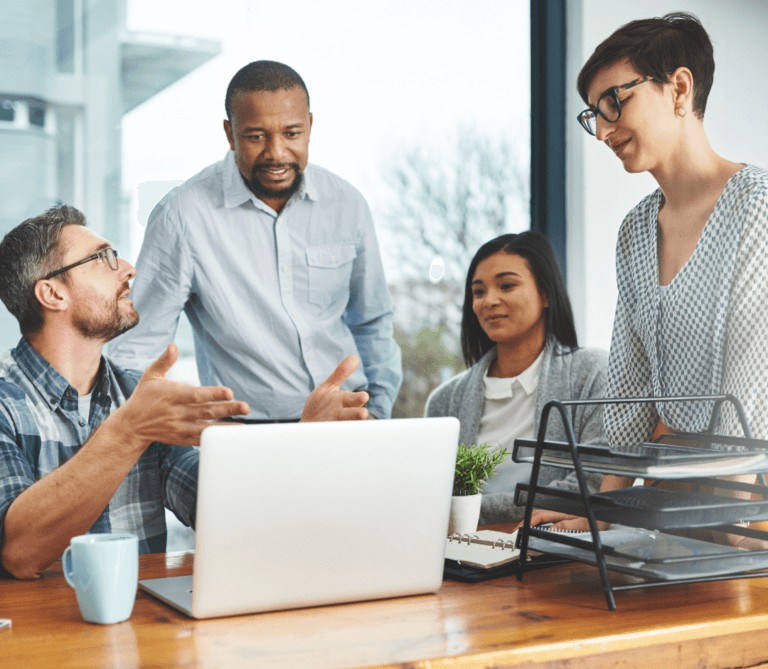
{"x": 528, "y": 380}
{"x": 237, "y": 193}
{"x": 49, "y": 383}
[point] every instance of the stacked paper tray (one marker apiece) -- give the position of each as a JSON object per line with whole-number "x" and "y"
{"x": 656, "y": 508}
{"x": 642, "y": 553}
{"x": 651, "y": 460}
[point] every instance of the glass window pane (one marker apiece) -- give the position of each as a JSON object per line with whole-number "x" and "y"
{"x": 424, "y": 107}
{"x": 36, "y": 115}
{"x": 65, "y": 35}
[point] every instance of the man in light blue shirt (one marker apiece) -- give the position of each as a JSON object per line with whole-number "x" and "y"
{"x": 274, "y": 261}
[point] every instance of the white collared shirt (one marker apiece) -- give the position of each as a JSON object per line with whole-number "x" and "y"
{"x": 508, "y": 415}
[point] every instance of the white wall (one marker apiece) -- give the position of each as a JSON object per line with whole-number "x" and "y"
{"x": 599, "y": 191}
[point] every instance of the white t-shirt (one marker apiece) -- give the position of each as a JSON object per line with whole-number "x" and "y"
{"x": 84, "y": 405}
{"x": 508, "y": 415}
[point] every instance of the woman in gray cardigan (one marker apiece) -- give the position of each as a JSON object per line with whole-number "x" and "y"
{"x": 519, "y": 342}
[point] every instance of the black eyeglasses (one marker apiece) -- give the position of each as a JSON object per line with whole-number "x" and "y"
{"x": 109, "y": 253}
{"x": 608, "y": 106}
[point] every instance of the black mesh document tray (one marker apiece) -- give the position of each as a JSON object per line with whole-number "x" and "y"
{"x": 651, "y": 460}
{"x": 656, "y": 555}
{"x": 702, "y": 502}
{"x": 656, "y": 508}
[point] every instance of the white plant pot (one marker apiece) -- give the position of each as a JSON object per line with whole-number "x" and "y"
{"x": 465, "y": 513}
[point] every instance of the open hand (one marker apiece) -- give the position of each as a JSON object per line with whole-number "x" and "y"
{"x": 171, "y": 412}
{"x": 329, "y": 402}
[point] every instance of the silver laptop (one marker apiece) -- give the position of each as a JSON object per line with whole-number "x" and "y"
{"x": 306, "y": 514}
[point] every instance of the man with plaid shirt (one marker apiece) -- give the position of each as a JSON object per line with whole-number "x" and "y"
{"x": 84, "y": 445}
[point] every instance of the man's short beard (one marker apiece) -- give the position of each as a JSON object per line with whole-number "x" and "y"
{"x": 105, "y": 329}
{"x": 264, "y": 193}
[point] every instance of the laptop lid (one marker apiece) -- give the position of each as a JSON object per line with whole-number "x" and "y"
{"x": 296, "y": 515}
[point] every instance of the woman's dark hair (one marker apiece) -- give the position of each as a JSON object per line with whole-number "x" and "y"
{"x": 656, "y": 48}
{"x": 537, "y": 251}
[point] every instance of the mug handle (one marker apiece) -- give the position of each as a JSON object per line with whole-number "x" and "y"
{"x": 69, "y": 572}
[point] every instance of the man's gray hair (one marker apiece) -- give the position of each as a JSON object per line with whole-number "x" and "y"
{"x": 27, "y": 253}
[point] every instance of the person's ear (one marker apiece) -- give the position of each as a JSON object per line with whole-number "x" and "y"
{"x": 230, "y": 134}
{"x": 681, "y": 81}
{"x": 52, "y": 295}
{"x": 544, "y": 300}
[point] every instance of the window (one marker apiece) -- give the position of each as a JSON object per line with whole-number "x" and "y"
{"x": 36, "y": 114}
{"x": 65, "y": 36}
{"x": 424, "y": 107}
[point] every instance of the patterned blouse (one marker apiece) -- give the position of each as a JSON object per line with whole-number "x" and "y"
{"x": 706, "y": 333}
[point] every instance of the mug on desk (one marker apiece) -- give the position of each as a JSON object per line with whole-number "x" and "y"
{"x": 104, "y": 571}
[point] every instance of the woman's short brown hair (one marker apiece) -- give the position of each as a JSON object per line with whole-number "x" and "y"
{"x": 656, "y": 48}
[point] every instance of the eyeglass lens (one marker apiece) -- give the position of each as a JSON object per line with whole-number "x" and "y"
{"x": 111, "y": 255}
{"x": 608, "y": 106}
{"x": 587, "y": 120}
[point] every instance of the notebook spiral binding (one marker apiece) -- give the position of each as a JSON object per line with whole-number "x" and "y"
{"x": 470, "y": 538}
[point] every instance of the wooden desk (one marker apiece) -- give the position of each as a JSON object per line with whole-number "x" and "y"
{"x": 554, "y": 618}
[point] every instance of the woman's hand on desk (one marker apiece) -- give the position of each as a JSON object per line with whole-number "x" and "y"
{"x": 562, "y": 521}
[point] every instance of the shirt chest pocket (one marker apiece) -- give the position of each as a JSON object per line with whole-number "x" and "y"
{"x": 330, "y": 270}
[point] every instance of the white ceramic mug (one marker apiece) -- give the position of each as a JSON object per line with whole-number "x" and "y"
{"x": 104, "y": 571}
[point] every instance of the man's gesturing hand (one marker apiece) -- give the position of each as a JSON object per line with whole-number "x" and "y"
{"x": 174, "y": 413}
{"x": 328, "y": 402}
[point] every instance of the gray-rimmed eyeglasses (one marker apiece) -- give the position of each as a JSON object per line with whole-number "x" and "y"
{"x": 608, "y": 106}
{"x": 109, "y": 253}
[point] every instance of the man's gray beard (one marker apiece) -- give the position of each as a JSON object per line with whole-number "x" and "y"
{"x": 264, "y": 193}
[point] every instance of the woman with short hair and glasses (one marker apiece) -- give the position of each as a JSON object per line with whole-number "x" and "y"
{"x": 692, "y": 256}
{"x": 519, "y": 342}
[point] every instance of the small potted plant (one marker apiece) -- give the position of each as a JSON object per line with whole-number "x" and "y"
{"x": 474, "y": 466}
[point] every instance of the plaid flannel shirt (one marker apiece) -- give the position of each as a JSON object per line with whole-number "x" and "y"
{"x": 41, "y": 428}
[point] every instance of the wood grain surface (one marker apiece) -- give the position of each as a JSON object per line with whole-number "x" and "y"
{"x": 555, "y": 618}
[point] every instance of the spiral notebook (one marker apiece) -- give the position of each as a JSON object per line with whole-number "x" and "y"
{"x": 486, "y": 555}
{"x": 484, "y": 549}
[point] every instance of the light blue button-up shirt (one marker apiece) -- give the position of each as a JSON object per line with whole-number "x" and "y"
{"x": 275, "y": 301}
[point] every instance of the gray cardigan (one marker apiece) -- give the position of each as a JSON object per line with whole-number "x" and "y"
{"x": 564, "y": 375}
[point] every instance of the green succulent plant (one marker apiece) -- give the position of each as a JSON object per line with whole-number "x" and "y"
{"x": 474, "y": 466}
